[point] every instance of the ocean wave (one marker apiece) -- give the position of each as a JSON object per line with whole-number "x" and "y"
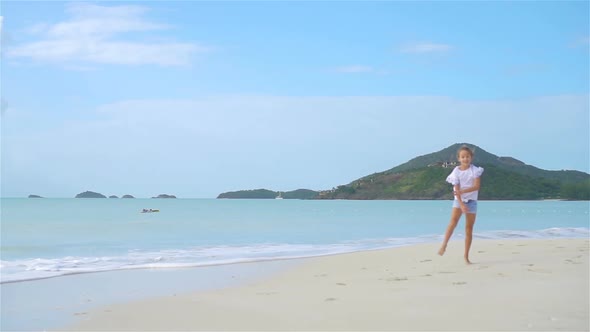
{"x": 40, "y": 268}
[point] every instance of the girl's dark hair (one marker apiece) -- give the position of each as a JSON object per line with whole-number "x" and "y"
{"x": 465, "y": 148}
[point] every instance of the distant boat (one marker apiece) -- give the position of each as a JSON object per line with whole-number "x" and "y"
{"x": 279, "y": 197}
{"x": 149, "y": 211}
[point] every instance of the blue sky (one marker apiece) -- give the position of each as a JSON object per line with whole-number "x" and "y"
{"x": 197, "y": 98}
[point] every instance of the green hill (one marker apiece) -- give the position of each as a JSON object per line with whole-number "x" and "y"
{"x": 299, "y": 194}
{"x": 90, "y": 194}
{"x": 268, "y": 194}
{"x": 482, "y": 157}
{"x": 504, "y": 178}
{"x": 429, "y": 183}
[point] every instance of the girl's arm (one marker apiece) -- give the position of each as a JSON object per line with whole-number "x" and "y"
{"x": 457, "y": 192}
{"x": 475, "y": 187}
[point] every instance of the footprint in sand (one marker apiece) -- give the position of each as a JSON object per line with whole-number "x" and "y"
{"x": 340, "y": 284}
{"x": 446, "y": 272}
{"x": 480, "y": 252}
{"x": 426, "y": 260}
{"x": 267, "y": 293}
{"x": 427, "y": 275}
{"x": 394, "y": 279}
{"x": 459, "y": 283}
{"x": 397, "y": 279}
{"x": 539, "y": 271}
{"x": 329, "y": 299}
{"x": 528, "y": 264}
{"x": 482, "y": 267}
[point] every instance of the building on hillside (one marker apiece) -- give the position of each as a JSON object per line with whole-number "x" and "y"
{"x": 444, "y": 164}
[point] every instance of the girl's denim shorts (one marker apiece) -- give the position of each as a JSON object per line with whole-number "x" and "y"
{"x": 471, "y": 205}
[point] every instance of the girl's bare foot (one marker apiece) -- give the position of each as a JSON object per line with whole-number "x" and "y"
{"x": 467, "y": 261}
{"x": 442, "y": 250}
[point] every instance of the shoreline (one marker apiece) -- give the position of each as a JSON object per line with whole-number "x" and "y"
{"x": 164, "y": 268}
{"x": 49, "y": 303}
{"x": 217, "y": 259}
{"x": 403, "y": 288}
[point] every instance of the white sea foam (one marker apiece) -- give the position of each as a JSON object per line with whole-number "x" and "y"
{"x": 39, "y": 268}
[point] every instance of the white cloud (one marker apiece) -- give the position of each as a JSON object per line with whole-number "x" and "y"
{"x": 3, "y": 106}
{"x": 94, "y": 34}
{"x": 1, "y": 34}
{"x": 253, "y": 119}
{"x": 90, "y": 20}
{"x": 354, "y": 69}
{"x": 80, "y": 68}
{"x": 425, "y": 47}
{"x": 580, "y": 42}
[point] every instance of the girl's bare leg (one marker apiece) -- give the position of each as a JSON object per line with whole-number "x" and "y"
{"x": 469, "y": 222}
{"x": 455, "y": 216}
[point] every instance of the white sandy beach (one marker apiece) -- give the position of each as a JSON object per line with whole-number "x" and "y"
{"x": 513, "y": 285}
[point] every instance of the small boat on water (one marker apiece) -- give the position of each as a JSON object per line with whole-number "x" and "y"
{"x": 280, "y": 196}
{"x": 149, "y": 211}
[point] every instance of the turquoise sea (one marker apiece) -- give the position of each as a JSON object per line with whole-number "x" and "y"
{"x": 43, "y": 238}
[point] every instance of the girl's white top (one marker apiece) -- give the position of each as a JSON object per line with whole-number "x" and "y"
{"x": 465, "y": 179}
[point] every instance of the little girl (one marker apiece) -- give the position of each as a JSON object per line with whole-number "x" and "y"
{"x": 465, "y": 180}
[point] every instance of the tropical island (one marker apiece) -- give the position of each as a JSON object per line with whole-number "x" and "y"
{"x": 90, "y": 194}
{"x": 165, "y": 196}
{"x": 423, "y": 178}
{"x": 269, "y": 194}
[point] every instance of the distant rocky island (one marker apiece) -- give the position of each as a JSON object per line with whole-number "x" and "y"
{"x": 269, "y": 194}
{"x": 505, "y": 178}
{"x": 165, "y": 196}
{"x": 90, "y": 194}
